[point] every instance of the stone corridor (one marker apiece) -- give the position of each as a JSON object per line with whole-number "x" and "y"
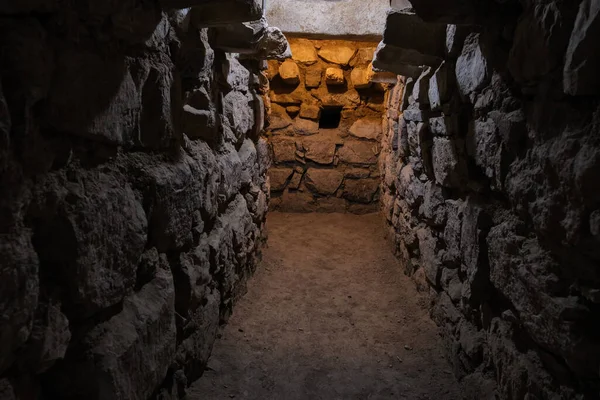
{"x": 328, "y": 316}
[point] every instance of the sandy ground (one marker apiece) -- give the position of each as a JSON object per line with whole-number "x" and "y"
{"x": 329, "y": 316}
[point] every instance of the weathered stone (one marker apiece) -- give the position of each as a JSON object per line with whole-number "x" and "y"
{"x": 303, "y": 51}
{"x": 360, "y": 190}
{"x": 424, "y": 42}
{"x": 334, "y": 76}
{"x": 471, "y": 66}
{"x": 484, "y": 146}
{"x": 289, "y": 72}
{"x": 313, "y": 77}
{"x": 279, "y": 178}
{"x": 306, "y": 127}
{"x": 337, "y": 54}
{"x": 364, "y": 57}
{"x": 279, "y": 118}
{"x": 296, "y": 178}
{"x": 449, "y": 165}
{"x": 19, "y": 277}
{"x": 319, "y": 150}
{"x": 310, "y": 111}
{"x": 398, "y": 60}
{"x": 439, "y": 87}
{"x": 331, "y": 205}
{"x": 430, "y": 260}
{"x": 580, "y": 76}
{"x": 237, "y": 111}
{"x": 284, "y": 149}
{"x": 359, "y": 152}
{"x": 367, "y": 128}
{"x": 6, "y": 390}
{"x": 297, "y": 201}
{"x": 133, "y": 349}
{"x": 444, "y": 125}
{"x": 361, "y": 77}
{"x": 323, "y": 181}
{"x": 357, "y": 173}
{"x": 200, "y": 124}
{"x": 292, "y": 110}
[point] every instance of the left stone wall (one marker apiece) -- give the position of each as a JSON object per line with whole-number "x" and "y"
{"x": 133, "y": 196}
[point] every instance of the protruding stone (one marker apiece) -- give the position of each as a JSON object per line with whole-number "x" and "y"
{"x": 359, "y": 152}
{"x": 449, "y": 163}
{"x": 395, "y": 59}
{"x": 310, "y": 111}
{"x": 324, "y": 181}
{"x": 334, "y": 76}
{"x": 361, "y": 77}
{"x": 471, "y": 67}
{"x": 303, "y": 51}
{"x": 289, "y": 72}
{"x": 279, "y": 178}
{"x": 313, "y": 77}
{"x": 423, "y": 43}
{"x": 337, "y": 54}
{"x": 582, "y": 63}
{"x": 306, "y": 127}
{"x": 284, "y": 149}
{"x": 367, "y": 128}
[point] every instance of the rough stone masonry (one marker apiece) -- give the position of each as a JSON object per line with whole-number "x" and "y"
{"x": 133, "y": 190}
{"x": 490, "y": 186}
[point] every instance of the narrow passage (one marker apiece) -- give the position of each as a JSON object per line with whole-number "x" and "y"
{"x": 329, "y": 315}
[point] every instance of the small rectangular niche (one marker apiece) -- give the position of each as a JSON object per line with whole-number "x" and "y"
{"x": 330, "y": 117}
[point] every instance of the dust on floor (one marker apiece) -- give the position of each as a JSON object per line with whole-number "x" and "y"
{"x": 329, "y": 315}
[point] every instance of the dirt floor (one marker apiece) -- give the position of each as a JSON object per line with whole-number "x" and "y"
{"x": 329, "y": 316}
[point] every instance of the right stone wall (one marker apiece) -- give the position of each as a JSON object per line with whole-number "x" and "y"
{"x": 491, "y": 195}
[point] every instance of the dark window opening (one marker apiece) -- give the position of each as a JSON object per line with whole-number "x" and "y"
{"x": 330, "y": 117}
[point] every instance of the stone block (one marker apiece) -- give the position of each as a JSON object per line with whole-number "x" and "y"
{"x": 238, "y": 112}
{"x": 297, "y": 201}
{"x": 359, "y": 152}
{"x": 319, "y": 150}
{"x": 303, "y": 51}
{"x": 284, "y": 149}
{"x": 472, "y": 70}
{"x": 400, "y": 61}
{"x": 323, "y": 181}
{"x": 361, "y": 77}
{"x": 580, "y": 75}
{"x": 367, "y": 128}
{"x": 361, "y": 190}
{"x": 289, "y": 72}
{"x": 364, "y": 57}
{"x": 132, "y": 351}
{"x": 279, "y": 177}
{"x": 331, "y": 205}
{"x": 422, "y": 40}
{"x": 337, "y": 54}
{"x": 200, "y": 124}
{"x": 279, "y": 118}
{"x": 439, "y": 89}
{"x": 310, "y": 111}
{"x": 306, "y": 127}
{"x": 449, "y": 165}
{"x": 334, "y": 76}
{"x": 357, "y": 173}
{"x": 430, "y": 260}
{"x": 446, "y": 125}
{"x": 313, "y": 77}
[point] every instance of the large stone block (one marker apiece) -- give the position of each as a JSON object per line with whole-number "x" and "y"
{"x": 19, "y": 292}
{"x": 359, "y": 152}
{"x": 361, "y": 190}
{"x": 126, "y": 357}
{"x": 289, "y": 72}
{"x": 306, "y": 127}
{"x": 284, "y": 149}
{"x": 319, "y": 149}
{"x": 422, "y": 41}
{"x": 94, "y": 248}
{"x": 449, "y": 165}
{"x": 279, "y": 178}
{"x": 337, "y": 54}
{"x": 334, "y": 76}
{"x": 303, "y": 51}
{"x": 580, "y": 76}
{"x": 472, "y": 71}
{"x": 323, "y": 181}
{"x": 367, "y": 128}
{"x": 400, "y": 61}
{"x": 279, "y": 118}
{"x": 361, "y": 77}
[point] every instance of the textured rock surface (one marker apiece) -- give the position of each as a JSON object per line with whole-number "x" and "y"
{"x": 134, "y": 194}
{"x": 489, "y": 194}
{"x": 325, "y": 131}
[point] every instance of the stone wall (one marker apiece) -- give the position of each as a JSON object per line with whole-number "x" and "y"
{"x": 325, "y": 127}
{"x": 133, "y": 196}
{"x": 491, "y": 188}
